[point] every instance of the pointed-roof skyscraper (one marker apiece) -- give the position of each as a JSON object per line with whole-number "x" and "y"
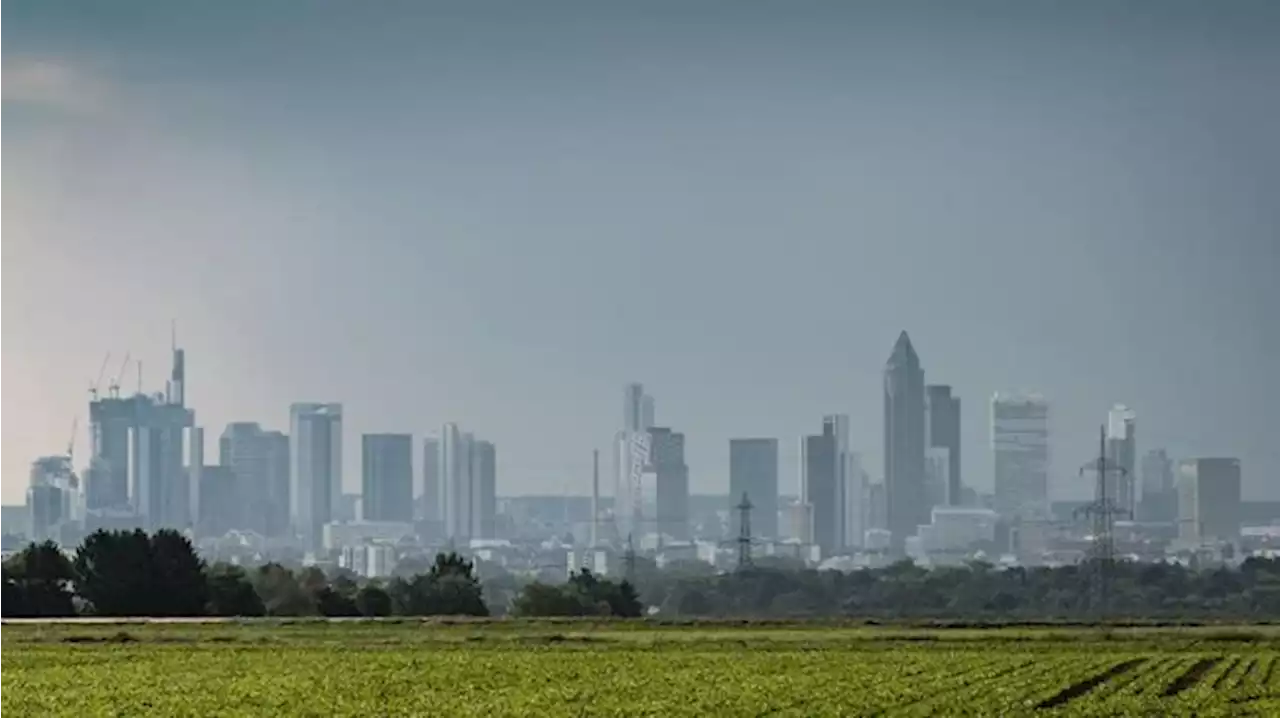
{"x": 904, "y": 439}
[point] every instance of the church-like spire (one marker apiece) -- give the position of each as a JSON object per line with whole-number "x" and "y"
{"x": 903, "y": 352}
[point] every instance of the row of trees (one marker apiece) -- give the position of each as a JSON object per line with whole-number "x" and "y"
{"x": 132, "y": 573}
{"x": 976, "y": 591}
{"x": 136, "y": 574}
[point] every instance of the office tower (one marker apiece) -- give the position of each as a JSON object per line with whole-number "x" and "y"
{"x": 219, "y": 506}
{"x": 1159, "y": 501}
{"x": 111, "y": 421}
{"x": 260, "y": 462}
{"x": 631, "y": 452}
{"x": 429, "y": 501}
{"x": 637, "y": 410}
{"x": 1122, "y": 454}
{"x": 857, "y": 502}
{"x": 821, "y": 475}
{"x": 1020, "y": 443}
{"x": 161, "y": 490}
{"x": 386, "y": 462}
{"x": 877, "y": 506}
{"x": 904, "y": 444}
{"x": 942, "y": 430}
{"x": 276, "y": 511}
{"x": 195, "y": 465}
{"x": 49, "y": 497}
{"x": 315, "y": 469}
{"x": 753, "y": 470}
{"x": 671, "y": 482}
{"x": 468, "y": 485}
{"x": 484, "y": 501}
{"x": 1208, "y": 500}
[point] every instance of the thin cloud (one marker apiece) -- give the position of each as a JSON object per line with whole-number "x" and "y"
{"x": 53, "y": 85}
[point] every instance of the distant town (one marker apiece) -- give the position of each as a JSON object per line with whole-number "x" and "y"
{"x": 272, "y": 496}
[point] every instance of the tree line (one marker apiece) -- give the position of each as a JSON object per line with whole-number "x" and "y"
{"x": 132, "y": 573}
{"x": 977, "y": 591}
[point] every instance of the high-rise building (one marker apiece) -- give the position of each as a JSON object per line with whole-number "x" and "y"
{"x": 49, "y": 497}
{"x": 904, "y": 444}
{"x": 161, "y": 485}
{"x": 1209, "y": 500}
{"x": 429, "y": 501}
{"x": 943, "y": 432}
{"x": 220, "y": 510}
{"x": 857, "y": 502}
{"x": 455, "y": 482}
{"x": 386, "y": 477}
{"x": 315, "y": 469}
{"x": 753, "y": 470}
{"x": 1122, "y": 454}
{"x": 260, "y": 461}
{"x": 821, "y": 478}
{"x": 484, "y": 501}
{"x": 1020, "y": 445}
{"x": 1159, "y": 501}
{"x": 671, "y": 482}
{"x": 468, "y": 485}
{"x": 111, "y": 422}
{"x": 631, "y": 452}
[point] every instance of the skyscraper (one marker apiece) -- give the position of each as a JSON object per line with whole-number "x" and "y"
{"x": 1020, "y": 446}
{"x": 429, "y": 501}
{"x": 753, "y": 470}
{"x": 1122, "y": 453}
{"x": 484, "y": 502}
{"x": 818, "y": 478}
{"x": 1209, "y": 500}
{"x": 161, "y": 486}
{"x": 242, "y": 450}
{"x": 671, "y": 480}
{"x": 455, "y": 482}
{"x": 630, "y": 458}
{"x": 1159, "y": 494}
{"x": 386, "y": 477}
{"x": 904, "y": 443}
{"x": 315, "y": 469}
{"x": 943, "y": 432}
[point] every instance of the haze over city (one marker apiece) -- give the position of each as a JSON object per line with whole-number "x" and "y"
{"x": 500, "y": 218}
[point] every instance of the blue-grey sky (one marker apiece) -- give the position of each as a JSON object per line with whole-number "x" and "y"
{"x": 498, "y": 214}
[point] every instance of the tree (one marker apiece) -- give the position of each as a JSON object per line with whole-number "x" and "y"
{"x": 281, "y": 593}
{"x": 373, "y": 600}
{"x": 36, "y": 582}
{"x": 128, "y": 573}
{"x": 177, "y": 575}
{"x": 113, "y": 573}
{"x": 231, "y": 593}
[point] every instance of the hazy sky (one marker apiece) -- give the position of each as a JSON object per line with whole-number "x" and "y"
{"x": 498, "y": 214}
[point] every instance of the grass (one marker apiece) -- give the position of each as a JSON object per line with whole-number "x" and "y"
{"x": 570, "y": 668}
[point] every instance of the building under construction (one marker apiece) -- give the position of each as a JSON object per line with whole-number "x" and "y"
{"x": 137, "y": 450}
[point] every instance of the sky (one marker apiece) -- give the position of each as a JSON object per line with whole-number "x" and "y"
{"x": 500, "y": 213}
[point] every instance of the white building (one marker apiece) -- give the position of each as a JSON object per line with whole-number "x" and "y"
{"x": 957, "y": 528}
{"x": 341, "y": 534}
{"x": 1020, "y": 444}
{"x": 369, "y": 560}
{"x": 315, "y": 469}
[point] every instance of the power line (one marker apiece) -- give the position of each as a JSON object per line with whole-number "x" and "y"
{"x": 1103, "y": 510}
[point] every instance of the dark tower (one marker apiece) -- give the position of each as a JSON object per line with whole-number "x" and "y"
{"x": 904, "y": 438}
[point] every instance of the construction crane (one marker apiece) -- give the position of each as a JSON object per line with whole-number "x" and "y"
{"x": 71, "y": 443}
{"x": 114, "y": 386}
{"x": 93, "y": 388}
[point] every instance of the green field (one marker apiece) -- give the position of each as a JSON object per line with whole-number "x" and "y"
{"x": 574, "y": 668}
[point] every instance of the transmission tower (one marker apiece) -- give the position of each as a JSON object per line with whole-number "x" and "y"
{"x": 629, "y": 560}
{"x": 1103, "y": 511}
{"x": 744, "y": 532}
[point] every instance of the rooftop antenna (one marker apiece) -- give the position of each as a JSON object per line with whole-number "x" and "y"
{"x": 139, "y": 376}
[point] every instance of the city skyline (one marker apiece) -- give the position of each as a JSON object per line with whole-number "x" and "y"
{"x": 1076, "y": 203}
